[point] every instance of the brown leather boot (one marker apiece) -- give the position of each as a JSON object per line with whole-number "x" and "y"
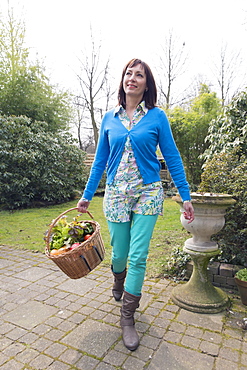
{"x": 118, "y": 286}
{"x": 130, "y": 336}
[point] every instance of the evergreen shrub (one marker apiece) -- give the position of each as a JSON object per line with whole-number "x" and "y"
{"x": 37, "y": 166}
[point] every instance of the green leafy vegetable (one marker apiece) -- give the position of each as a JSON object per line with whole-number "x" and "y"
{"x": 65, "y": 234}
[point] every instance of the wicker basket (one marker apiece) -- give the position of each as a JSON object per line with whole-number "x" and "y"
{"x": 79, "y": 261}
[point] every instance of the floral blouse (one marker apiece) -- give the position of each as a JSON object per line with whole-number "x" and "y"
{"x": 127, "y": 193}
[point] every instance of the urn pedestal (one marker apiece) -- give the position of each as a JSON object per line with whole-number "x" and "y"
{"x": 199, "y": 294}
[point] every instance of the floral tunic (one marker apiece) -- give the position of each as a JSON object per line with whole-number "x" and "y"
{"x": 127, "y": 193}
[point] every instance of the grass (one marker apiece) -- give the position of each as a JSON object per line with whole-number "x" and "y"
{"x": 24, "y": 229}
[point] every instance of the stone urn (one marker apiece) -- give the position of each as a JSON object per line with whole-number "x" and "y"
{"x": 198, "y": 294}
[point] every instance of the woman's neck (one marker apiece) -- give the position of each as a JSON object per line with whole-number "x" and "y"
{"x": 131, "y": 105}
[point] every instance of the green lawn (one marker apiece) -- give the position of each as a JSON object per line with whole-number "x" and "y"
{"x": 25, "y": 229}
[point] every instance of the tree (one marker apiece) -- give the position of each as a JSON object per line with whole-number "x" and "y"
{"x": 37, "y": 168}
{"x": 226, "y": 173}
{"x": 226, "y": 71}
{"x": 229, "y": 130}
{"x": 172, "y": 64}
{"x": 95, "y": 88}
{"x": 84, "y": 135}
{"x": 24, "y": 88}
{"x": 190, "y": 127}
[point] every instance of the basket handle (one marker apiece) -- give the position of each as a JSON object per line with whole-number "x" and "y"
{"x": 47, "y": 238}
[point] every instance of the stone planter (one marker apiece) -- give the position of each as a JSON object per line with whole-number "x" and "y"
{"x": 210, "y": 210}
{"x": 242, "y": 288}
{"x": 198, "y": 294}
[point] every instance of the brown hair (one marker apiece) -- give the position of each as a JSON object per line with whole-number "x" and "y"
{"x": 149, "y": 96}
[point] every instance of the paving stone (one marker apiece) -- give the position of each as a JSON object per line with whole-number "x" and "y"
{"x": 16, "y": 333}
{"x": 13, "y": 349}
{"x": 183, "y": 358}
{"x": 12, "y": 365}
{"x": 5, "y": 342}
{"x": 144, "y": 302}
{"x": 155, "y": 331}
{"x": 177, "y": 327}
{"x": 5, "y": 263}
{"x": 167, "y": 315}
{"x": 54, "y": 334}
{"x": 191, "y": 342}
{"x": 77, "y": 286}
{"x": 211, "y": 322}
{"x": 115, "y": 358}
{"x": 87, "y": 363}
{"x": 162, "y": 323}
{"x": 140, "y": 326}
{"x": 232, "y": 343}
{"x": 30, "y": 314}
{"x": 77, "y": 318}
{"x": 172, "y": 336}
{"x": 194, "y": 332}
{"x": 32, "y": 274}
{"x": 233, "y": 333}
{"x": 212, "y": 337}
{"x": 150, "y": 342}
{"x": 3, "y": 358}
{"x": 92, "y": 337}
{"x": 55, "y": 350}
{"x": 221, "y": 364}
{"x": 143, "y": 353}
{"x": 6, "y": 327}
{"x": 244, "y": 346}
{"x": 152, "y": 311}
{"x": 229, "y": 354}
{"x": 67, "y": 326}
{"x": 104, "y": 366}
{"x": 41, "y": 344}
{"x": 244, "y": 359}
{"x": 146, "y": 318}
{"x": 209, "y": 348}
{"x": 27, "y": 355}
{"x": 133, "y": 363}
{"x": 41, "y": 362}
{"x": 70, "y": 356}
{"x": 57, "y": 365}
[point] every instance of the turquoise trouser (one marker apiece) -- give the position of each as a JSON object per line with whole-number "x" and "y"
{"x": 130, "y": 244}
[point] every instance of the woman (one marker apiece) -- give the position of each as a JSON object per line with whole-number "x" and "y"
{"x": 129, "y": 136}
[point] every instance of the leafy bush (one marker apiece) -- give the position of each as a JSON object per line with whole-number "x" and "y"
{"x": 176, "y": 264}
{"x": 37, "y": 166}
{"x": 227, "y": 173}
{"x": 242, "y": 274}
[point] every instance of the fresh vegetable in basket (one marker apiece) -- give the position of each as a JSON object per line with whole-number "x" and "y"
{"x": 65, "y": 234}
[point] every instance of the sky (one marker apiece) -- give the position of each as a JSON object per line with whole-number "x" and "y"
{"x": 58, "y": 30}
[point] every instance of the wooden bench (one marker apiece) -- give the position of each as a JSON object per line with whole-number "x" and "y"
{"x": 89, "y": 159}
{"x": 164, "y": 174}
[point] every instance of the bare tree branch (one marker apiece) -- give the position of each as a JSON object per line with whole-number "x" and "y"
{"x": 172, "y": 65}
{"x": 93, "y": 77}
{"x": 226, "y": 71}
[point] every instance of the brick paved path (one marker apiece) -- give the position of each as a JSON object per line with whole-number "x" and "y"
{"x": 48, "y": 321}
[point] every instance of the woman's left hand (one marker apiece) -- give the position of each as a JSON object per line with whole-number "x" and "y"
{"x": 188, "y": 212}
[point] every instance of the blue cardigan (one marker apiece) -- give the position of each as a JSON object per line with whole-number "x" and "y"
{"x": 152, "y": 130}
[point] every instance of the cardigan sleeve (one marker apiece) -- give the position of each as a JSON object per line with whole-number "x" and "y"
{"x": 172, "y": 157}
{"x": 99, "y": 163}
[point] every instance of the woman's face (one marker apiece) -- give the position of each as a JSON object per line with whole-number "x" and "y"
{"x": 135, "y": 82}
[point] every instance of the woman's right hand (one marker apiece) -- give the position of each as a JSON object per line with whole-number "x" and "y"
{"x": 82, "y": 205}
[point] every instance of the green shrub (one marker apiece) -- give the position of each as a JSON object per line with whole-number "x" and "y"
{"x": 177, "y": 264}
{"x": 35, "y": 165}
{"x": 242, "y": 274}
{"x": 227, "y": 173}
